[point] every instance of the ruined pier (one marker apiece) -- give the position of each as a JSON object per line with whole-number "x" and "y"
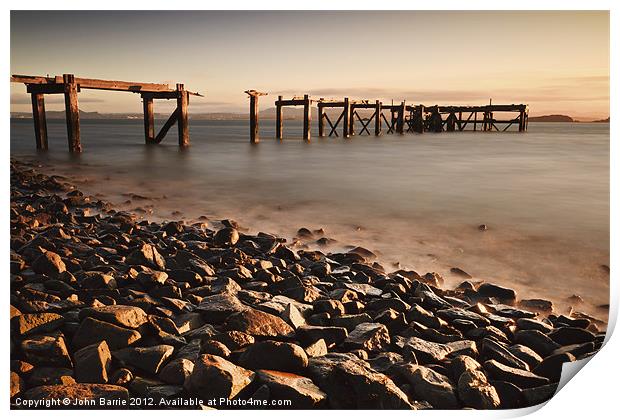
{"x": 69, "y": 86}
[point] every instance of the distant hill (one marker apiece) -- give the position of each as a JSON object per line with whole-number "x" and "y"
{"x": 606, "y": 120}
{"x": 552, "y": 118}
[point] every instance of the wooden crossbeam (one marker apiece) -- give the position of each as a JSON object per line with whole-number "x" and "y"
{"x": 390, "y": 126}
{"x": 332, "y": 126}
{"x": 167, "y": 125}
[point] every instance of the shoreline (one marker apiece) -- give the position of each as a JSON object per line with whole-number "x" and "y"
{"x": 184, "y": 305}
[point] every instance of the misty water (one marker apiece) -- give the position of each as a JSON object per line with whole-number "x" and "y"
{"x": 416, "y": 200}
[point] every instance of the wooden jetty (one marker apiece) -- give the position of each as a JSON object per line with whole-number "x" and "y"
{"x": 399, "y": 118}
{"x": 70, "y": 86}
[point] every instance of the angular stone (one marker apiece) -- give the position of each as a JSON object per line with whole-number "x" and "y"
{"x": 47, "y": 375}
{"x": 458, "y": 313}
{"x": 36, "y": 323}
{"x": 518, "y": 377}
{"x": 475, "y": 391}
{"x": 461, "y": 364}
{"x": 97, "y": 280}
{"x": 571, "y": 335}
{"x": 47, "y": 350}
{"x": 214, "y": 347}
{"x": 17, "y": 384}
{"x": 537, "y": 304}
{"x": 350, "y": 321}
{"x": 216, "y": 308}
{"x": 301, "y": 391}
{"x": 510, "y": 395}
{"x": 526, "y": 354}
{"x": 424, "y": 317}
{"x": 537, "y": 341}
{"x": 502, "y": 294}
{"x": 95, "y": 393}
{"x": 426, "y": 352}
{"x": 551, "y": 366}
{"x": 258, "y": 323}
{"x": 292, "y": 316}
{"x": 368, "y": 336}
{"x": 350, "y": 384}
{"x": 49, "y": 263}
{"x": 122, "y": 315}
{"x": 92, "y": 331}
{"x": 149, "y": 359}
{"x": 226, "y": 237}
{"x": 330, "y": 306}
{"x": 539, "y": 395}
{"x": 214, "y": 377}
{"x": 274, "y": 355}
{"x": 147, "y": 254}
{"x": 177, "y": 371}
{"x": 491, "y": 349}
{"x": 331, "y": 335}
{"x": 92, "y": 363}
{"x": 534, "y": 324}
{"x": 430, "y": 386}
{"x": 317, "y": 349}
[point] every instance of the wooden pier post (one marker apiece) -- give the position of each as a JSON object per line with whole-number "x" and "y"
{"x": 279, "y": 118}
{"x": 40, "y": 123}
{"x": 307, "y": 118}
{"x": 149, "y": 119}
{"x": 400, "y": 119}
{"x": 254, "y": 129}
{"x": 475, "y": 119}
{"x": 72, "y": 112}
{"x": 183, "y": 117}
{"x": 321, "y": 118}
{"x": 377, "y": 118}
{"x": 418, "y": 119}
{"x": 347, "y": 119}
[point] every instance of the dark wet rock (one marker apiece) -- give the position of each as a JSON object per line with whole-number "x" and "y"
{"x": 92, "y": 363}
{"x": 425, "y": 351}
{"x": 519, "y": 377}
{"x": 350, "y": 321}
{"x": 301, "y": 391}
{"x": 49, "y": 263}
{"x": 475, "y": 391}
{"x": 177, "y": 371}
{"x": 576, "y": 350}
{"x": 510, "y": 395}
{"x": 350, "y": 383}
{"x": 259, "y": 323}
{"x": 463, "y": 314}
{"x": 331, "y": 306}
{"x": 47, "y": 375}
{"x": 226, "y": 237}
{"x": 147, "y": 254}
{"x": 424, "y": 317}
{"x": 293, "y": 316}
{"x": 539, "y": 395}
{"x": 121, "y": 377}
{"x": 526, "y": 354}
{"x": 214, "y": 347}
{"x": 537, "y": 341}
{"x": 384, "y": 362}
{"x": 331, "y": 335}
{"x": 274, "y": 355}
{"x": 17, "y": 384}
{"x": 149, "y": 359}
{"x": 571, "y": 335}
{"x": 78, "y": 392}
{"x": 96, "y": 280}
{"x": 503, "y": 294}
{"x": 491, "y": 349}
{"x": 511, "y": 312}
{"x": 534, "y": 324}
{"x": 214, "y": 377}
{"x": 368, "y": 336}
{"x": 551, "y": 366}
{"x": 234, "y": 340}
{"x": 92, "y": 331}
{"x": 430, "y": 386}
{"x": 543, "y": 305}
{"x": 217, "y": 308}
{"x": 121, "y": 315}
{"x": 38, "y": 323}
{"x": 49, "y": 350}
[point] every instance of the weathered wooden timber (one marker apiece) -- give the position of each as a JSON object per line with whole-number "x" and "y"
{"x": 306, "y": 102}
{"x": 254, "y": 132}
{"x": 70, "y": 86}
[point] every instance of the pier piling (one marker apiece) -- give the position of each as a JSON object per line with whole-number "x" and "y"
{"x": 254, "y": 129}
{"x": 40, "y": 123}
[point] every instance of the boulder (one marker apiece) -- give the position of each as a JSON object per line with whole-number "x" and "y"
{"x": 92, "y": 363}
{"x": 49, "y": 263}
{"x": 37, "y": 323}
{"x": 368, "y": 336}
{"x": 274, "y": 355}
{"x": 216, "y": 308}
{"x": 331, "y": 335}
{"x": 147, "y": 254}
{"x": 122, "y": 315}
{"x": 258, "y": 323}
{"x": 475, "y": 391}
{"x": 47, "y": 350}
{"x": 92, "y": 331}
{"x": 177, "y": 371}
{"x": 149, "y": 359}
{"x": 301, "y": 391}
{"x": 500, "y": 293}
{"x": 214, "y": 377}
{"x": 226, "y": 237}
{"x": 519, "y": 377}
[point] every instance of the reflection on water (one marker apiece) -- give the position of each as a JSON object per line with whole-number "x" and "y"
{"x": 415, "y": 199}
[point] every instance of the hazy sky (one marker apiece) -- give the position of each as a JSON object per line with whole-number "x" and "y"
{"x": 558, "y": 62}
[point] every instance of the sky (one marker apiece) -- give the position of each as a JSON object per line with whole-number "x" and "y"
{"x": 555, "y": 61}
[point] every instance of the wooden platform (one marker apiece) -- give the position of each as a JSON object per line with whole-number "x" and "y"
{"x": 70, "y": 86}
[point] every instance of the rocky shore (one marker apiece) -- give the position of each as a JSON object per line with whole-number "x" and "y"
{"x": 111, "y": 312}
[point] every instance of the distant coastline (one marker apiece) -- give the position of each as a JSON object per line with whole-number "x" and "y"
{"x": 267, "y": 114}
